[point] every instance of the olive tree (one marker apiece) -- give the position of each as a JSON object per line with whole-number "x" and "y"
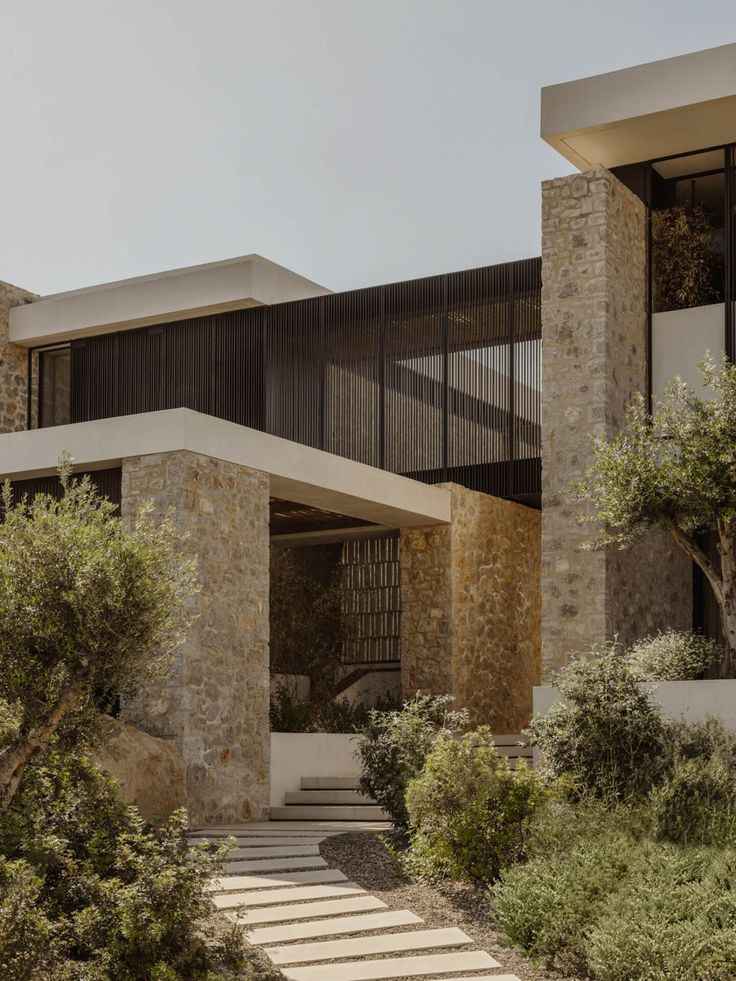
{"x": 87, "y": 606}
{"x": 676, "y": 469}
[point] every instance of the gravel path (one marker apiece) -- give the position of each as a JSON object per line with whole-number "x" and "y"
{"x": 364, "y": 859}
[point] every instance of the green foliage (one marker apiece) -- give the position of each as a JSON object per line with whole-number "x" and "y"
{"x": 469, "y": 812}
{"x": 685, "y": 258}
{"x": 674, "y": 655}
{"x": 395, "y": 744}
{"x": 675, "y": 470}
{"x": 672, "y": 919}
{"x": 547, "y": 907}
{"x": 86, "y": 606}
{"x": 604, "y": 735}
{"x": 91, "y": 890}
{"x": 290, "y": 714}
{"x": 695, "y": 804}
{"x": 306, "y": 628}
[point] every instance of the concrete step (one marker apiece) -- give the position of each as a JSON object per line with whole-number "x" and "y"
{"x": 268, "y": 897}
{"x": 329, "y": 812}
{"x": 326, "y": 797}
{"x": 393, "y": 967}
{"x": 333, "y": 927}
{"x": 228, "y": 883}
{"x": 386, "y": 943}
{"x": 330, "y": 783}
{"x": 274, "y": 851}
{"x": 302, "y": 911}
{"x": 275, "y": 864}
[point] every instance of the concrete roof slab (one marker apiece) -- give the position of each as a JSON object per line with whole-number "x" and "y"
{"x": 297, "y": 473}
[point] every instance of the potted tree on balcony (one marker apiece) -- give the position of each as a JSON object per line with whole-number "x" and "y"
{"x": 686, "y": 259}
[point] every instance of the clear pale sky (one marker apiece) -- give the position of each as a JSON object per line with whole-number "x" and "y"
{"x": 354, "y": 141}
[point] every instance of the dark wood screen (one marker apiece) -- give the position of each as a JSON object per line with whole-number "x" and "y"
{"x": 435, "y": 378}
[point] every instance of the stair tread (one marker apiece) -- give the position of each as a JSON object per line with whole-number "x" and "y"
{"x": 393, "y": 967}
{"x": 333, "y": 926}
{"x": 315, "y": 908}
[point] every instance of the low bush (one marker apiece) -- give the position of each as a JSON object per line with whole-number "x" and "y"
{"x": 395, "y": 744}
{"x": 604, "y": 735}
{"x": 696, "y": 804}
{"x": 674, "y": 655}
{"x": 94, "y": 893}
{"x": 469, "y": 812}
{"x": 579, "y": 854}
{"x": 673, "y": 917}
{"x": 290, "y": 714}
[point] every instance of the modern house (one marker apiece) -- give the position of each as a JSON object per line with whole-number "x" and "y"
{"x": 426, "y": 433}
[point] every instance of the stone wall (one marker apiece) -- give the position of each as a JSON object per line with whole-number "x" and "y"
{"x": 13, "y": 364}
{"x": 471, "y": 608}
{"x": 594, "y": 358}
{"x": 214, "y": 702}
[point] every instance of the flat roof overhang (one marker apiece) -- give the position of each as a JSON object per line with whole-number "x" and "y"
{"x": 642, "y": 113}
{"x": 176, "y": 294}
{"x": 296, "y": 472}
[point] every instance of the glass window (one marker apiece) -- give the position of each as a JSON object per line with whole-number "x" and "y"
{"x": 55, "y": 387}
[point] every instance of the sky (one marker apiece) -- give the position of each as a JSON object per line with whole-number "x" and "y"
{"x": 354, "y": 141}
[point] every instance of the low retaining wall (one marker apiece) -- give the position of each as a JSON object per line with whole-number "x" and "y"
{"x": 691, "y": 701}
{"x": 309, "y": 754}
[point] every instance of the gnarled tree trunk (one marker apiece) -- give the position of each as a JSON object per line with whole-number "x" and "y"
{"x": 16, "y": 758}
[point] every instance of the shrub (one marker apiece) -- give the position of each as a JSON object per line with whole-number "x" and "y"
{"x": 289, "y": 714}
{"x": 547, "y": 907}
{"x": 27, "y": 937}
{"x": 96, "y": 889}
{"x": 605, "y": 735}
{"x": 696, "y": 804}
{"x": 674, "y": 655}
{"x": 469, "y": 812}
{"x": 395, "y": 744}
{"x": 674, "y": 917}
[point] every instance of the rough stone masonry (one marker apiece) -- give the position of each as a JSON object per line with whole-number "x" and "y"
{"x": 470, "y": 609}
{"x": 213, "y": 704}
{"x": 13, "y": 364}
{"x": 594, "y": 358}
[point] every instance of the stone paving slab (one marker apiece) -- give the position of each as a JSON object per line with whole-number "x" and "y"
{"x": 332, "y": 927}
{"x": 275, "y": 864}
{"x": 274, "y": 851}
{"x": 301, "y": 911}
{"x": 229, "y": 883}
{"x": 386, "y": 943}
{"x": 334, "y": 826}
{"x": 393, "y": 967}
{"x": 267, "y": 897}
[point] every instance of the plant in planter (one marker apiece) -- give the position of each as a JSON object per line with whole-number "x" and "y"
{"x": 685, "y": 258}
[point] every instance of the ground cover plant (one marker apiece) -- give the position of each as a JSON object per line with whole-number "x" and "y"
{"x": 630, "y": 874}
{"x": 88, "y": 609}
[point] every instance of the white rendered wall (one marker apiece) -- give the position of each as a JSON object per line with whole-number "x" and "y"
{"x": 309, "y": 754}
{"x": 680, "y": 339}
{"x": 690, "y": 701}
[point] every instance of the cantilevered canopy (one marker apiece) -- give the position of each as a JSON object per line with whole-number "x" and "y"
{"x": 642, "y": 113}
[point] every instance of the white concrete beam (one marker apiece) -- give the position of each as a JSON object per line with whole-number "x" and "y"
{"x": 665, "y": 107}
{"x": 176, "y": 294}
{"x": 297, "y": 473}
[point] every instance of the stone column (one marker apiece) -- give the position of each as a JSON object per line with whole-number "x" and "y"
{"x": 594, "y": 358}
{"x": 13, "y": 364}
{"x": 470, "y": 609}
{"x": 214, "y": 702}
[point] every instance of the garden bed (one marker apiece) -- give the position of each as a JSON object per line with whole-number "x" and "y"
{"x": 365, "y": 859}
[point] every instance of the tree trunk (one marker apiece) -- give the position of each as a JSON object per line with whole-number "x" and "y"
{"x": 15, "y": 760}
{"x": 727, "y": 552}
